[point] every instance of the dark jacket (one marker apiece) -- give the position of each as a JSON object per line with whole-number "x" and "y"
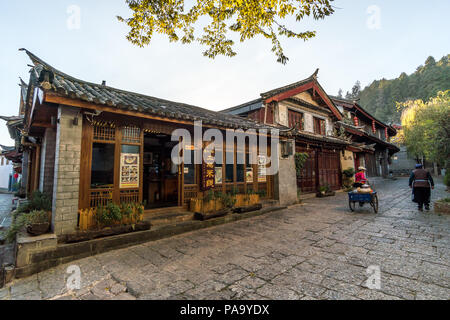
{"x": 421, "y": 178}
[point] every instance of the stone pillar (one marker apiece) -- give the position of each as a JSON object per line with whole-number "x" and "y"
{"x": 67, "y": 171}
{"x": 286, "y": 179}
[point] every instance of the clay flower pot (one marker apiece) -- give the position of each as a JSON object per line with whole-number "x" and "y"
{"x": 36, "y": 229}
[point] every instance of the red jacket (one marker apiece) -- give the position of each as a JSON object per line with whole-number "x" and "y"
{"x": 360, "y": 177}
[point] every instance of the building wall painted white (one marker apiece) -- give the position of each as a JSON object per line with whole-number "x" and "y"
{"x": 309, "y": 122}
{"x": 282, "y": 114}
{"x": 5, "y": 171}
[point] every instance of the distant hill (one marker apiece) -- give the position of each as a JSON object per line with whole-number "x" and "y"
{"x": 381, "y": 96}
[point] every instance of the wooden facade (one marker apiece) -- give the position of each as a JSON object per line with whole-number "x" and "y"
{"x": 118, "y": 131}
{"x": 371, "y": 136}
{"x": 322, "y": 167}
{"x": 304, "y": 108}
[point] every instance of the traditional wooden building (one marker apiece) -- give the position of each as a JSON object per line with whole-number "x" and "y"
{"x": 370, "y": 138}
{"x": 305, "y": 108}
{"x": 89, "y": 144}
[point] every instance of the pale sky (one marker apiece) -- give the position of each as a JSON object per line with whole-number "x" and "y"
{"x": 350, "y": 45}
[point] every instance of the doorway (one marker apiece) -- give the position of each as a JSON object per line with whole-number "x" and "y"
{"x": 160, "y": 174}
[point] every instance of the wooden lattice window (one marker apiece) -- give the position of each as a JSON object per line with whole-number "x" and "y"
{"x": 104, "y": 131}
{"x": 100, "y": 198}
{"x": 319, "y": 126}
{"x": 294, "y": 118}
{"x": 129, "y": 196}
{"x": 131, "y": 135}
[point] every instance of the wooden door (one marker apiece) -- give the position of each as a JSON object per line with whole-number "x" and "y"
{"x": 371, "y": 165}
{"x": 329, "y": 169}
{"x": 307, "y": 181}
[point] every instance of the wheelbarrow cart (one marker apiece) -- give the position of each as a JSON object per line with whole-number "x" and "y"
{"x": 363, "y": 198}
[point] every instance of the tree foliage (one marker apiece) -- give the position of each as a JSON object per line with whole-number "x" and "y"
{"x": 380, "y": 97}
{"x": 426, "y": 128}
{"x": 248, "y": 18}
{"x": 355, "y": 93}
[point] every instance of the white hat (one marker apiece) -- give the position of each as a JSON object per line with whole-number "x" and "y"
{"x": 362, "y": 168}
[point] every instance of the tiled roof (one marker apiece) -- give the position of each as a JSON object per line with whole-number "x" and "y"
{"x": 315, "y": 137}
{"x": 361, "y": 109}
{"x": 23, "y": 89}
{"x": 68, "y": 86}
{"x": 371, "y": 137}
{"x": 12, "y": 118}
{"x": 342, "y": 100}
{"x": 245, "y": 107}
{"x": 6, "y": 148}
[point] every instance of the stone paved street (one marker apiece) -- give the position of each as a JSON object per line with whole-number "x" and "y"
{"x": 318, "y": 250}
{"x": 5, "y": 209}
{"x": 6, "y": 250}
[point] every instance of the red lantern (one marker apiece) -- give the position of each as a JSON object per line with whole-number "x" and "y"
{"x": 356, "y": 121}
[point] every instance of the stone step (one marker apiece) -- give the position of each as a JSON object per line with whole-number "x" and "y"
{"x": 269, "y": 203}
{"x": 168, "y": 217}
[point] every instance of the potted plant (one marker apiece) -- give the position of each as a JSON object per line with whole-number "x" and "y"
{"x": 213, "y": 205}
{"x": 37, "y": 222}
{"x": 347, "y": 181}
{"x": 325, "y": 191}
{"x": 37, "y": 202}
{"x": 442, "y": 206}
{"x": 108, "y": 215}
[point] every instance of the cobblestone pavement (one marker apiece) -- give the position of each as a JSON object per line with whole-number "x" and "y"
{"x": 318, "y": 250}
{"x": 6, "y": 251}
{"x": 5, "y": 209}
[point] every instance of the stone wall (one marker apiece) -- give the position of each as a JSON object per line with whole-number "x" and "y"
{"x": 67, "y": 171}
{"x": 347, "y": 160}
{"x": 402, "y": 163}
{"x": 286, "y": 180}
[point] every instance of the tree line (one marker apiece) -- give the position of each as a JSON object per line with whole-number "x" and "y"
{"x": 380, "y": 98}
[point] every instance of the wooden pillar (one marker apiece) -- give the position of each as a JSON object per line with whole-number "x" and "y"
{"x": 141, "y": 166}
{"x": 117, "y": 154}
{"x": 85, "y": 165}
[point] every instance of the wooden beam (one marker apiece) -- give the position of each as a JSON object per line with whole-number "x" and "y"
{"x": 316, "y": 90}
{"x": 42, "y": 125}
{"x": 328, "y": 102}
{"x": 290, "y": 93}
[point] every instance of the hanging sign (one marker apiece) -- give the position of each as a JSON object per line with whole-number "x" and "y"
{"x": 262, "y": 169}
{"x": 129, "y": 170}
{"x": 208, "y": 176}
{"x": 249, "y": 175}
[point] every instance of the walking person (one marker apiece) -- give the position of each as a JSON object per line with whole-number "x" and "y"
{"x": 421, "y": 183}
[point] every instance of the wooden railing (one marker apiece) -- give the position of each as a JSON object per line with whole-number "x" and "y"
{"x": 129, "y": 196}
{"x": 100, "y": 197}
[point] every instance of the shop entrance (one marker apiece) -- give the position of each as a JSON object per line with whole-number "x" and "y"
{"x": 160, "y": 174}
